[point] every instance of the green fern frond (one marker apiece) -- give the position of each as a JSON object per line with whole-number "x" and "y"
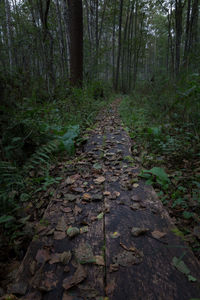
{"x": 42, "y": 156}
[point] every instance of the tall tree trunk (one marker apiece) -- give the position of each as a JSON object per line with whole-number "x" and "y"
{"x": 178, "y": 20}
{"x": 97, "y": 36}
{"x": 124, "y": 50}
{"x": 119, "y": 45}
{"x": 76, "y": 42}
{"x": 61, "y": 39}
{"x": 113, "y": 45}
{"x": 8, "y": 28}
{"x": 187, "y": 33}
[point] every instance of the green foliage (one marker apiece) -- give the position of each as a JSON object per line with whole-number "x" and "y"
{"x": 160, "y": 176}
{"x": 67, "y": 141}
{"x": 164, "y": 124}
{"x": 34, "y": 134}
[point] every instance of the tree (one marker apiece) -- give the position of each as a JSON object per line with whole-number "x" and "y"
{"x": 76, "y": 42}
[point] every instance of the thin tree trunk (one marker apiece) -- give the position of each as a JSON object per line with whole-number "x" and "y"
{"x": 113, "y": 45}
{"x": 76, "y": 40}
{"x": 119, "y": 45}
{"x": 8, "y": 28}
{"x": 178, "y": 20}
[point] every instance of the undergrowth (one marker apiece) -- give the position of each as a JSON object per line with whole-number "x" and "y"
{"x": 164, "y": 124}
{"x": 34, "y": 134}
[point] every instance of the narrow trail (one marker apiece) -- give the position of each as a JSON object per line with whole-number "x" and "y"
{"x": 105, "y": 234}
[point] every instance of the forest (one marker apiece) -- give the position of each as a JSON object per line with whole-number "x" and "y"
{"x": 65, "y": 62}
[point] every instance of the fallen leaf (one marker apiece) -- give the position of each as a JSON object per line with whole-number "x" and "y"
{"x": 61, "y": 226}
{"x": 113, "y": 268}
{"x": 84, "y": 229}
{"x": 106, "y": 193}
{"x": 135, "y": 206}
{"x": 59, "y": 235}
{"x": 135, "y": 198}
{"x": 84, "y": 254}
{"x": 100, "y": 216}
{"x": 55, "y": 258}
{"x": 115, "y": 235}
{"x": 133, "y": 249}
{"x": 70, "y": 197}
{"x": 158, "y": 234}
{"x": 75, "y": 279}
{"x": 180, "y": 265}
{"x": 77, "y": 210}
{"x": 49, "y": 283}
{"x": 97, "y": 197}
{"x": 72, "y": 179}
{"x": 65, "y": 257}
{"x": 127, "y": 258}
{"x": 136, "y": 231}
{"x": 77, "y": 189}
{"x": 99, "y": 180}
{"x": 99, "y": 260}
{"x": 117, "y": 194}
{"x": 42, "y": 256}
{"x": 135, "y": 185}
{"x": 191, "y": 278}
{"x": 66, "y": 209}
{"x": 73, "y": 231}
{"x": 87, "y": 197}
{"x": 97, "y": 166}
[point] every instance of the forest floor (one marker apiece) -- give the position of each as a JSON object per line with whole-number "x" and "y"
{"x": 105, "y": 234}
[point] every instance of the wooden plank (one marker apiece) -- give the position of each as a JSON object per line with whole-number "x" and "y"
{"x": 147, "y": 272}
{"x": 39, "y": 276}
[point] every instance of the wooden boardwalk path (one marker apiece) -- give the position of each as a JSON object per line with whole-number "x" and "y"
{"x": 105, "y": 235}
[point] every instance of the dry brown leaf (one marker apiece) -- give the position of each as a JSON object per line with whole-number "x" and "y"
{"x": 137, "y": 231}
{"x": 133, "y": 249}
{"x": 49, "y": 283}
{"x": 135, "y": 185}
{"x": 87, "y": 197}
{"x": 99, "y": 260}
{"x": 42, "y": 256}
{"x": 106, "y": 193}
{"x": 61, "y": 226}
{"x": 55, "y": 258}
{"x": 157, "y": 234}
{"x": 113, "y": 268}
{"x": 66, "y": 209}
{"x": 77, "y": 210}
{"x": 99, "y": 179}
{"x": 75, "y": 279}
{"x": 59, "y": 235}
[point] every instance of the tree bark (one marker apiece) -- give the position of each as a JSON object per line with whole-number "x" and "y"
{"x": 119, "y": 45}
{"x": 178, "y": 21}
{"x": 8, "y": 28}
{"x": 76, "y": 42}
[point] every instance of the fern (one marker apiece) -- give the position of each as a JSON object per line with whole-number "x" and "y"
{"x": 42, "y": 156}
